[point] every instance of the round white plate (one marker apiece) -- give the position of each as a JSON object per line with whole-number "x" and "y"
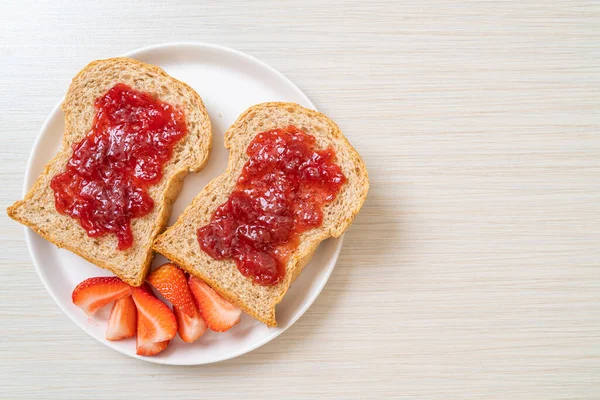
{"x": 229, "y": 82}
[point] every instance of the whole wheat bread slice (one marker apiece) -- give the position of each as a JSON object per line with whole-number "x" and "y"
{"x": 179, "y": 242}
{"x": 37, "y": 210}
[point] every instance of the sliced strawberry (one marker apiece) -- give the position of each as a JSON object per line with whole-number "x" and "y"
{"x": 155, "y": 321}
{"x": 94, "y": 293}
{"x": 150, "y": 349}
{"x": 189, "y": 328}
{"x": 170, "y": 281}
{"x": 219, "y": 314}
{"x": 156, "y": 324}
{"x": 122, "y": 320}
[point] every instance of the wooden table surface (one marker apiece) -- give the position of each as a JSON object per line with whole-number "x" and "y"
{"x": 473, "y": 270}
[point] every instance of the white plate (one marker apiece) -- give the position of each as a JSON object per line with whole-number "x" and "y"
{"x": 229, "y": 82}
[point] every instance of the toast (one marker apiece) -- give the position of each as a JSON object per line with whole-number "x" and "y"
{"x": 179, "y": 242}
{"x": 37, "y": 210}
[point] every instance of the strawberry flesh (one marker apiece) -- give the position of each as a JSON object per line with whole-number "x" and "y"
{"x": 150, "y": 348}
{"x": 219, "y": 314}
{"x": 189, "y": 328}
{"x": 155, "y": 321}
{"x": 122, "y": 320}
{"x": 94, "y": 293}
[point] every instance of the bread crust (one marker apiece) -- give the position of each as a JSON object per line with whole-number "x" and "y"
{"x": 179, "y": 244}
{"x": 84, "y": 89}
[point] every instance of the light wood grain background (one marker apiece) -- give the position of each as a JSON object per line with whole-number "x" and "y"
{"x": 473, "y": 270}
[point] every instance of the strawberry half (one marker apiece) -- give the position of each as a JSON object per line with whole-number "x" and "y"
{"x": 94, "y": 293}
{"x": 189, "y": 328}
{"x": 122, "y": 320}
{"x": 150, "y": 349}
{"x": 219, "y": 314}
{"x": 155, "y": 321}
{"x": 170, "y": 281}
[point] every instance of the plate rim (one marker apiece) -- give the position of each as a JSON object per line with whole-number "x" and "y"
{"x": 30, "y": 234}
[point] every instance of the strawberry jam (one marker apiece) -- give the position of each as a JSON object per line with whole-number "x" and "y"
{"x": 279, "y": 194}
{"x": 106, "y": 180}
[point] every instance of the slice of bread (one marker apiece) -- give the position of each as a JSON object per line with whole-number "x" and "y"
{"x": 179, "y": 242}
{"x": 37, "y": 210}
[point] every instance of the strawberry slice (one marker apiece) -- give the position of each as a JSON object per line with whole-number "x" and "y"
{"x": 219, "y": 314}
{"x": 150, "y": 349}
{"x": 189, "y": 328}
{"x": 170, "y": 281}
{"x": 155, "y": 321}
{"x": 122, "y": 320}
{"x": 94, "y": 293}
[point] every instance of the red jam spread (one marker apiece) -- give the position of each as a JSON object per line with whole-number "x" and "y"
{"x": 105, "y": 184}
{"x": 279, "y": 194}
